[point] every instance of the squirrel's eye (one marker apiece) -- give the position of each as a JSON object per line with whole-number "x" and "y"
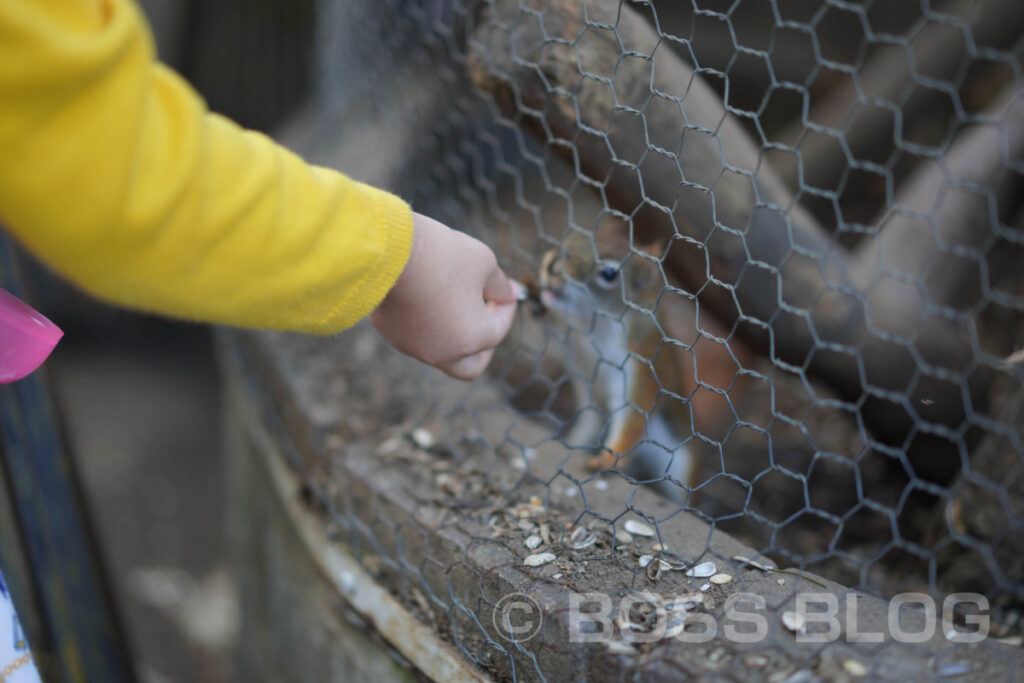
{"x": 607, "y": 275}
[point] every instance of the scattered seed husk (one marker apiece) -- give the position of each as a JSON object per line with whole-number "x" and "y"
{"x": 676, "y": 562}
{"x": 556, "y": 576}
{"x": 657, "y": 547}
{"x": 601, "y": 485}
{"x": 755, "y": 661}
{"x": 638, "y": 528}
{"x": 647, "y": 559}
{"x": 422, "y": 437}
{"x": 686, "y": 601}
{"x": 678, "y": 614}
{"x": 538, "y": 559}
{"x": 766, "y": 568}
{"x": 448, "y": 483}
{"x": 795, "y": 622}
{"x": 623, "y": 536}
{"x": 720, "y": 579}
{"x": 705, "y": 587}
{"x": 534, "y": 542}
{"x": 531, "y": 509}
{"x": 855, "y": 668}
{"x": 653, "y": 570}
{"x": 702, "y": 570}
{"x": 752, "y": 563}
{"x": 675, "y": 624}
{"x": 619, "y": 647}
{"x": 954, "y": 669}
{"x": 389, "y": 446}
{"x": 588, "y": 541}
{"x": 582, "y": 538}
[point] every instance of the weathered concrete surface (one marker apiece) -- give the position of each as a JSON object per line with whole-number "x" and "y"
{"x": 443, "y": 526}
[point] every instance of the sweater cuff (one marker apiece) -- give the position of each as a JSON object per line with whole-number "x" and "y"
{"x": 392, "y": 230}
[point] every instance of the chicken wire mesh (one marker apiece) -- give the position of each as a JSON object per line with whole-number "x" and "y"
{"x": 771, "y": 347}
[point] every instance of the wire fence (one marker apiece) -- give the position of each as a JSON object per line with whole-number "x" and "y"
{"x": 771, "y": 349}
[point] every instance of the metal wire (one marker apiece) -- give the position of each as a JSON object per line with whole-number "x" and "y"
{"x": 774, "y": 249}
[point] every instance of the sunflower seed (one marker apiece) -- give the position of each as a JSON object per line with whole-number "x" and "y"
{"x": 794, "y": 621}
{"x": 654, "y": 570}
{"x": 686, "y": 601}
{"x": 389, "y": 446}
{"x": 702, "y": 570}
{"x": 619, "y": 647}
{"x": 855, "y": 668}
{"x": 647, "y": 559}
{"x": 590, "y": 540}
{"x": 538, "y": 559}
{"x": 638, "y": 529}
{"x": 422, "y": 437}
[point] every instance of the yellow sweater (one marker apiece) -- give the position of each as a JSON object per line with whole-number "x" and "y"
{"x": 113, "y": 173}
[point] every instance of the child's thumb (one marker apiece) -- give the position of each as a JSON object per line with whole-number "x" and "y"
{"x": 499, "y": 288}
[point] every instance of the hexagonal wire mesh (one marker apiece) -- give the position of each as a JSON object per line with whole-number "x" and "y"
{"x": 773, "y": 249}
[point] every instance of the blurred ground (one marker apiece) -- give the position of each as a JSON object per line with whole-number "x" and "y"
{"x": 140, "y": 395}
{"x": 140, "y": 400}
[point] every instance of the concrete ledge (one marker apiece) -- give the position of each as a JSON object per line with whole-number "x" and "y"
{"x": 442, "y": 528}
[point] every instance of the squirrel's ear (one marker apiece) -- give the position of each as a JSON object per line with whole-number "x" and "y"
{"x": 613, "y": 232}
{"x": 655, "y": 248}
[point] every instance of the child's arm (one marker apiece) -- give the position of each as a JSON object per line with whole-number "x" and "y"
{"x": 113, "y": 173}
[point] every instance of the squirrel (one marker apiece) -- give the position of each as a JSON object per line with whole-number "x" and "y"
{"x": 662, "y": 373}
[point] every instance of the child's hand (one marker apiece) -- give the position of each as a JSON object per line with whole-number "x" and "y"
{"x": 451, "y": 305}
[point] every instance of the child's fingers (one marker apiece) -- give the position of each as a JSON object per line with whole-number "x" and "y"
{"x": 469, "y": 367}
{"x": 490, "y": 331}
{"x": 500, "y": 317}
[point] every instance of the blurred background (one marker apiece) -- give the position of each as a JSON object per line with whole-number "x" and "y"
{"x": 139, "y": 395}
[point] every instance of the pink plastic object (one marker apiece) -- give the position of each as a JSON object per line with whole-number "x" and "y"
{"x": 26, "y": 338}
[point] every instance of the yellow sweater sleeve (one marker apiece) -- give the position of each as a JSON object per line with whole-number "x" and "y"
{"x": 113, "y": 173}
